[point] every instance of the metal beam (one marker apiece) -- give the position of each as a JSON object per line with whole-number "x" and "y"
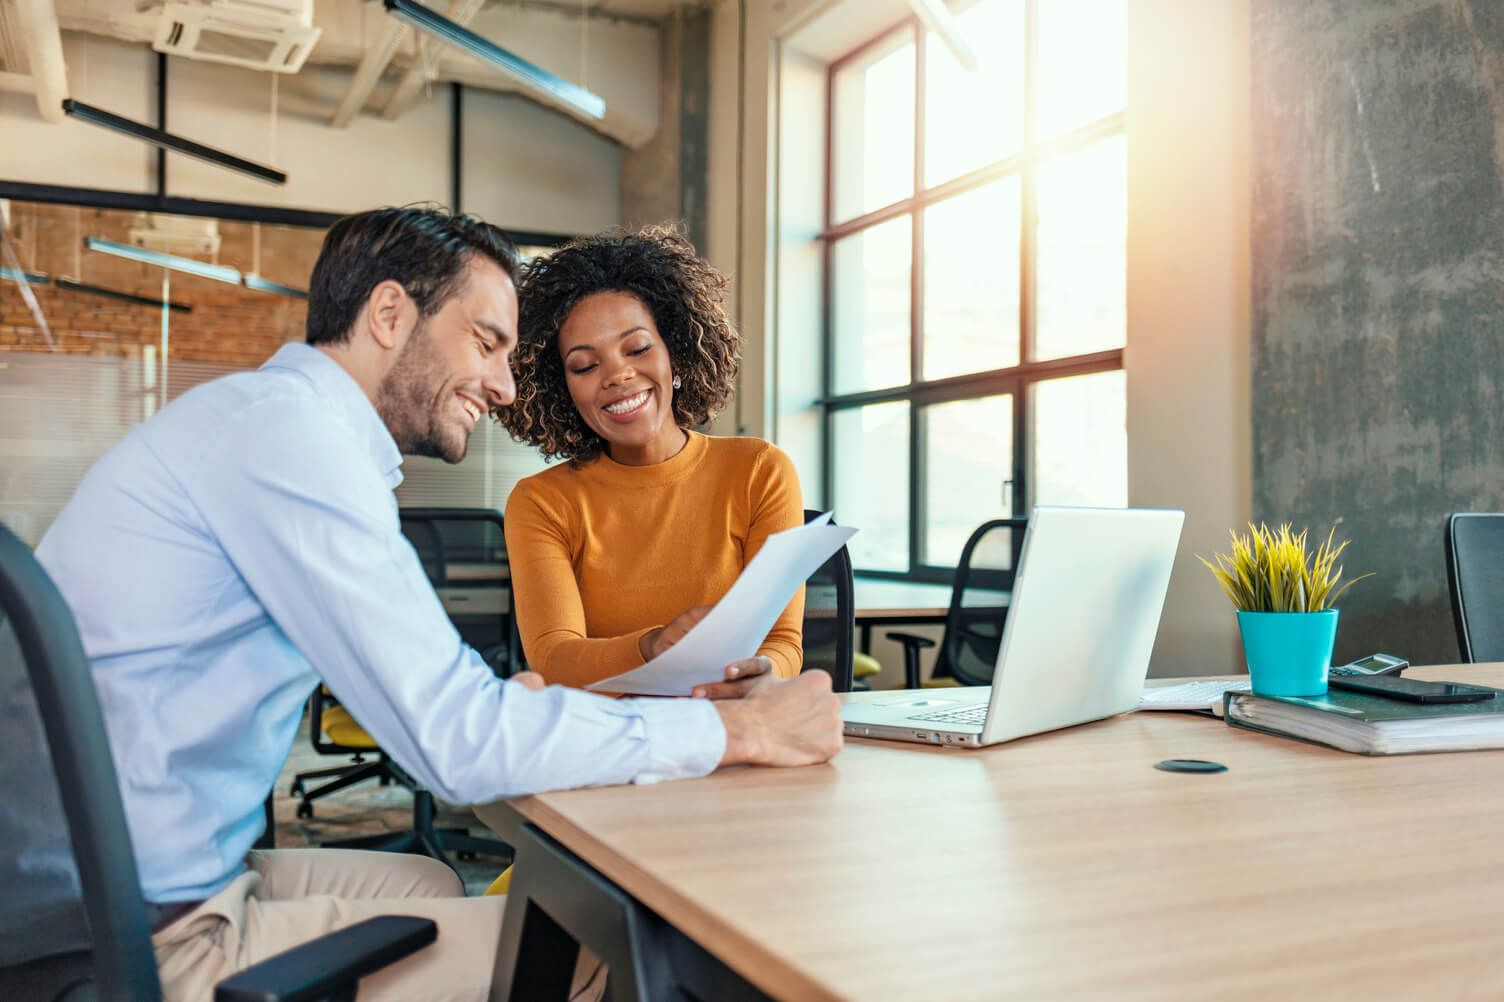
{"x": 368, "y": 73}
{"x": 44, "y": 49}
{"x": 426, "y": 65}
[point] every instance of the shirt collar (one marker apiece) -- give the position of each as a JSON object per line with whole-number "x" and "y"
{"x": 339, "y": 389}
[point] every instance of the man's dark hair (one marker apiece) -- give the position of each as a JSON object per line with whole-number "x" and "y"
{"x": 425, "y": 250}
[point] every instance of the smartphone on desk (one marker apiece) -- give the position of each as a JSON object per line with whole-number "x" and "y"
{"x": 1412, "y": 690}
{"x": 1373, "y": 664}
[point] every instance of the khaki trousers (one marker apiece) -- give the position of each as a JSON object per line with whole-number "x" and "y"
{"x": 291, "y": 896}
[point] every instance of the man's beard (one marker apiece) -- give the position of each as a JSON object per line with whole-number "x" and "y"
{"x": 408, "y": 403}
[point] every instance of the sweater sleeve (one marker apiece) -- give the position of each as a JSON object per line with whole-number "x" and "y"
{"x": 777, "y": 504}
{"x": 550, "y": 612}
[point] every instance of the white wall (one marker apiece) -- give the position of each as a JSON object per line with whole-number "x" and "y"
{"x": 112, "y": 75}
{"x": 525, "y": 166}
{"x": 372, "y": 163}
{"x": 1187, "y": 359}
{"x": 533, "y": 169}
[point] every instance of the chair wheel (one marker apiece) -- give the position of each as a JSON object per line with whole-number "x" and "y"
{"x": 305, "y": 810}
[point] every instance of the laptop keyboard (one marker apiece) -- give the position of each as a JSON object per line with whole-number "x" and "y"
{"x": 965, "y": 715}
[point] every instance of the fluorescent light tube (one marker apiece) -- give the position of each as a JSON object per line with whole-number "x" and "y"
{"x": 218, "y": 272}
{"x": 128, "y": 297}
{"x": 264, "y": 285}
{"x": 29, "y": 277}
{"x": 166, "y": 140}
{"x": 445, "y": 30}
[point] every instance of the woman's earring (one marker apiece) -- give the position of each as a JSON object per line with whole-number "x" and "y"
{"x": 677, "y": 384}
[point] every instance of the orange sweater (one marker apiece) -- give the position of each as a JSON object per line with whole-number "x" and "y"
{"x": 603, "y": 554}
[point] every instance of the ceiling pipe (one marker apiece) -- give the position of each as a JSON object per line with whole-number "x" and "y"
{"x": 44, "y": 48}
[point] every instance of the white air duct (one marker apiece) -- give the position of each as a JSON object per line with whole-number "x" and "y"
{"x": 185, "y": 235}
{"x": 271, "y": 35}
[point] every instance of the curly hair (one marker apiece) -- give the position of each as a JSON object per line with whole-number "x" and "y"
{"x": 682, "y": 291}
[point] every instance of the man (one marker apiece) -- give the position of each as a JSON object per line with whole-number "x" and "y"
{"x": 243, "y": 545}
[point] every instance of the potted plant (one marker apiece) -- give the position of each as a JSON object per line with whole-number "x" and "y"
{"x": 1284, "y": 596}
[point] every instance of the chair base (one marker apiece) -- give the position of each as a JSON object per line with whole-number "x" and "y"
{"x": 348, "y": 775}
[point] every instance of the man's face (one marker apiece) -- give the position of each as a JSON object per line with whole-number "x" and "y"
{"x": 454, "y": 367}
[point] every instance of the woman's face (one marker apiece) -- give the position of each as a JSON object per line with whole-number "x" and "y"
{"x": 619, "y": 376}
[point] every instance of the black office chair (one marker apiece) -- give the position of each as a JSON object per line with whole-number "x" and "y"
{"x": 829, "y": 618}
{"x": 973, "y": 623}
{"x": 472, "y": 541}
{"x": 1474, "y": 546}
{"x": 455, "y": 546}
{"x": 66, "y": 862}
{"x": 464, "y": 553}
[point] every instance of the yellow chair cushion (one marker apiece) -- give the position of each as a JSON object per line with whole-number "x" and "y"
{"x": 343, "y": 730}
{"x": 502, "y": 883}
{"x": 863, "y": 665}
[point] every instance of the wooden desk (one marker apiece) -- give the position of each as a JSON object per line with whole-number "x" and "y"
{"x": 1065, "y": 866}
{"x": 894, "y": 603}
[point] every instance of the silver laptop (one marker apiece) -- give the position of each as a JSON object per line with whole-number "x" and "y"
{"x": 1080, "y": 627}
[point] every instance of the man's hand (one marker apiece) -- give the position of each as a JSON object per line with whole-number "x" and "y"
{"x": 739, "y": 677}
{"x": 782, "y": 722}
{"x": 655, "y": 642}
{"x": 531, "y": 679}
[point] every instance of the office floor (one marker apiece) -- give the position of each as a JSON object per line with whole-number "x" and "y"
{"x": 366, "y": 809}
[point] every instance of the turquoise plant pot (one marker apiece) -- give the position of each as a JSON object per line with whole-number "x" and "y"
{"x": 1288, "y": 653}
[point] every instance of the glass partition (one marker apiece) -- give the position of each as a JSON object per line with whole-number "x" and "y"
{"x": 100, "y": 327}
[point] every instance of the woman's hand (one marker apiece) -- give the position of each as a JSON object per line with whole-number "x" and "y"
{"x": 656, "y": 641}
{"x": 739, "y": 677}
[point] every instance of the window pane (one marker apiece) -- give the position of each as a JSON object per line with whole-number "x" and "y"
{"x": 971, "y": 281}
{"x": 871, "y": 466}
{"x": 870, "y": 307}
{"x": 972, "y": 119}
{"x": 968, "y": 461}
{"x": 1083, "y": 265}
{"x": 1081, "y": 441}
{"x": 1083, "y": 56}
{"x": 873, "y": 139}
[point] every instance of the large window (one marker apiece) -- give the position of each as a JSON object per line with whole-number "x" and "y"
{"x": 975, "y": 271}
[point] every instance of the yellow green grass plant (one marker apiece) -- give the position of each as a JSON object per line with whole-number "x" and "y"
{"x": 1274, "y": 571}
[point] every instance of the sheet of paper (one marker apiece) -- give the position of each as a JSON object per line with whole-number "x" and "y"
{"x": 740, "y": 621}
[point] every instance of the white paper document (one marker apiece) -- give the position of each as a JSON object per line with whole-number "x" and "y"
{"x": 740, "y": 621}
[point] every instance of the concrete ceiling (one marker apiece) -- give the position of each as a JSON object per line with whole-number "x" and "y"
{"x": 620, "y": 37}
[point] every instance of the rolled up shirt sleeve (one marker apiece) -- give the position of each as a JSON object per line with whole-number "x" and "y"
{"x": 313, "y": 529}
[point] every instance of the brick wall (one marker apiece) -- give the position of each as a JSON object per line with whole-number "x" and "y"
{"x": 228, "y": 324}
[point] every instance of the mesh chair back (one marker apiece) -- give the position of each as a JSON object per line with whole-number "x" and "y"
{"x": 67, "y": 864}
{"x": 464, "y": 550}
{"x": 974, "y": 621}
{"x": 829, "y": 618}
{"x": 1475, "y": 572}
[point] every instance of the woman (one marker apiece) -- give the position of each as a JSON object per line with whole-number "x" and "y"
{"x": 624, "y": 347}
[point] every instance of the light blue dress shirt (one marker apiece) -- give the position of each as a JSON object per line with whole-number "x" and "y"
{"x": 243, "y": 545}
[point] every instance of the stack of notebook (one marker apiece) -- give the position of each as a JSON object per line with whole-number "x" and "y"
{"x": 1372, "y": 725}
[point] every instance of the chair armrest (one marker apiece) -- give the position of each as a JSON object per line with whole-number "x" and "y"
{"x": 911, "y": 648}
{"x": 329, "y": 966}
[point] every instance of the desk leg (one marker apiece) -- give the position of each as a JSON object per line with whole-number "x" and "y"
{"x": 866, "y": 638}
{"x": 558, "y": 902}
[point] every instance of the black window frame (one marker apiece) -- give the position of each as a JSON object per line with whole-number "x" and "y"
{"x": 1017, "y": 380}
